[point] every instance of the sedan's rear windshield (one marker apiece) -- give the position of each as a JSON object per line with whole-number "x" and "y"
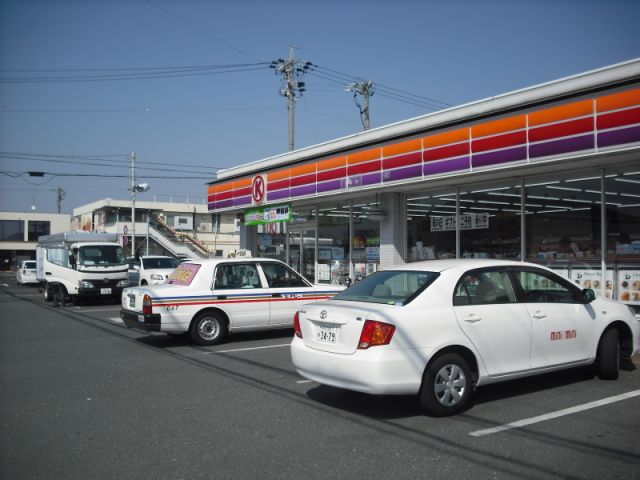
{"x": 159, "y": 262}
{"x": 392, "y": 287}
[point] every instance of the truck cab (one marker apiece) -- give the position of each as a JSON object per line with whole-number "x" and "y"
{"x": 81, "y": 265}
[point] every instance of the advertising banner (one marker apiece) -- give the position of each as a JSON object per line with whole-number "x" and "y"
{"x": 266, "y": 215}
{"x": 629, "y": 286}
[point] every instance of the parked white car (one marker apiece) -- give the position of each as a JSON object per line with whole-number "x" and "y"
{"x": 26, "y": 274}
{"x": 214, "y": 297}
{"x": 439, "y": 329}
{"x": 151, "y": 269}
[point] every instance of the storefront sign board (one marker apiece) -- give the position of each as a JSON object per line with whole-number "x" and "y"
{"x": 470, "y": 221}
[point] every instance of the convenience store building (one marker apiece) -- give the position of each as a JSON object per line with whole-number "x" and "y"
{"x": 548, "y": 174}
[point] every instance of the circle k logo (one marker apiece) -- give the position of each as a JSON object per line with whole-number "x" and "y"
{"x": 258, "y": 189}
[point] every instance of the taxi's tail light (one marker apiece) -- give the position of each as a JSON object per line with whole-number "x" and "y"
{"x": 296, "y": 325}
{"x": 375, "y": 333}
{"x": 147, "y": 306}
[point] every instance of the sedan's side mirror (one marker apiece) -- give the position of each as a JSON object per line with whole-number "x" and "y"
{"x": 589, "y": 295}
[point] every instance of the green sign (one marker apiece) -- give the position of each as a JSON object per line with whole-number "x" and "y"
{"x": 263, "y": 215}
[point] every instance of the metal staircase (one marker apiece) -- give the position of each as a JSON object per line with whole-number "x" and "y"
{"x": 176, "y": 242}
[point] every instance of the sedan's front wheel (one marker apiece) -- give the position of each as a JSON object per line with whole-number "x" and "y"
{"x": 446, "y": 386}
{"x": 208, "y": 328}
{"x": 608, "y": 360}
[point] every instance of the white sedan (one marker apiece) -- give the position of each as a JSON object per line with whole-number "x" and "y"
{"x": 26, "y": 274}
{"x": 211, "y": 298}
{"x": 441, "y": 328}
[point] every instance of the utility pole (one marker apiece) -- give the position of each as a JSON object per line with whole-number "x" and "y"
{"x": 133, "y": 204}
{"x": 60, "y": 194}
{"x": 135, "y": 188}
{"x": 292, "y": 89}
{"x": 365, "y": 89}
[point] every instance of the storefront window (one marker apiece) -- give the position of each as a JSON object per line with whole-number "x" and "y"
{"x": 430, "y": 232}
{"x": 365, "y": 253}
{"x": 333, "y": 244}
{"x": 272, "y": 241}
{"x": 490, "y": 222}
{"x": 623, "y": 235}
{"x": 301, "y": 235}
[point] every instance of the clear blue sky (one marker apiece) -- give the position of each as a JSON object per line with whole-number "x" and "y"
{"x": 453, "y": 52}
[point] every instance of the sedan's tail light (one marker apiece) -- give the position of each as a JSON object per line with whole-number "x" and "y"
{"x": 296, "y": 325}
{"x": 375, "y": 333}
{"x": 147, "y": 306}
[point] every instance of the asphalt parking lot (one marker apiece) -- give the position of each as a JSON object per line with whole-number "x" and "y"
{"x": 84, "y": 397}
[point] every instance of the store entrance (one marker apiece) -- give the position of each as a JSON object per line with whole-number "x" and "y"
{"x": 302, "y": 251}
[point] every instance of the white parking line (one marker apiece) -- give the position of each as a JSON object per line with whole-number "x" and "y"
{"x": 91, "y": 310}
{"x": 248, "y": 349}
{"x": 559, "y": 413}
{"x": 115, "y": 320}
{"x": 304, "y": 381}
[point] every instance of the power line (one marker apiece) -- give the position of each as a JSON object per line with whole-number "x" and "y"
{"x": 66, "y": 75}
{"x": 57, "y": 174}
{"x": 382, "y": 90}
{"x": 202, "y": 30}
{"x": 71, "y": 159}
{"x": 347, "y": 77}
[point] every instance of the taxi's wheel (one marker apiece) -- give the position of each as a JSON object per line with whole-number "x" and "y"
{"x": 208, "y": 328}
{"x": 608, "y": 361}
{"x": 446, "y": 386}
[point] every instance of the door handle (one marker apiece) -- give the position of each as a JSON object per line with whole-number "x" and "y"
{"x": 539, "y": 315}
{"x": 472, "y": 319}
{"x": 47, "y": 273}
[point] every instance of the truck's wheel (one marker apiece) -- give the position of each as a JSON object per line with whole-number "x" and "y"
{"x": 47, "y": 292}
{"x": 208, "y": 328}
{"x": 59, "y": 295}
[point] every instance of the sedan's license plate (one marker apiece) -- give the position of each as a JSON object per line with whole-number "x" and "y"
{"x": 326, "y": 334}
{"x": 105, "y": 291}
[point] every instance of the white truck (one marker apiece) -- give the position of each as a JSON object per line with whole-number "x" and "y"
{"x": 81, "y": 265}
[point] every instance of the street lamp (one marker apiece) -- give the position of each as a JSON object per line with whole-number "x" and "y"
{"x": 142, "y": 187}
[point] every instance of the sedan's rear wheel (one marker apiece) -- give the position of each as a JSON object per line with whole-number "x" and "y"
{"x": 446, "y": 386}
{"x": 608, "y": 361}
{"x": 208, "y": 328}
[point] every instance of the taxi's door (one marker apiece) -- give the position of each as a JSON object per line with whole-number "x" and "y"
{"x": 238, "y": 290}
{"x": 288, "y": 291}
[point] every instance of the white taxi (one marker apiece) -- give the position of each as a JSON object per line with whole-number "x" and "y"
{"x": 212, "y": 298}
{"x": 441, "y": 328}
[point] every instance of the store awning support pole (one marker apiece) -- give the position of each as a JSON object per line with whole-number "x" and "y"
{"x": 457, "y": 222}
{"x": 603, "y": 233}
{"x": 523, "y": 222}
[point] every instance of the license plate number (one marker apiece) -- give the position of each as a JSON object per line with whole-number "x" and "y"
{"x": 326, "y": 334}
{"x": 105, "y": 291}
{"x": 132, "y": 301}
